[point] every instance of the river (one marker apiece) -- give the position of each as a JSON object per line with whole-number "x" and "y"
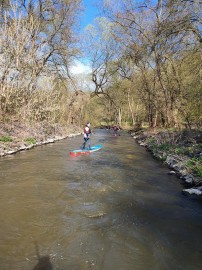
{"x": 115, "y": 209}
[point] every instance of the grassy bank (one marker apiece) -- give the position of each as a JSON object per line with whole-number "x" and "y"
{"x": 180, "y": 150}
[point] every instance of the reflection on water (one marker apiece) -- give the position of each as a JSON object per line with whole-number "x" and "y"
{"x": 114, "y": 209}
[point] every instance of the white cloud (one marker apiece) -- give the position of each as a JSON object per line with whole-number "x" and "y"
{"x": 81, "y": 75}
{"x": 79, "y": 68}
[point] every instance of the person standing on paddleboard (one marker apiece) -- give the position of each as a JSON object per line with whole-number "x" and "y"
{"x": 116, "y": 129}
{"x": 87, "y": 132}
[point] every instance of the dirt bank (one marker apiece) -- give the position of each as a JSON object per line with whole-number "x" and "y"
{"x": 20, "y": 136}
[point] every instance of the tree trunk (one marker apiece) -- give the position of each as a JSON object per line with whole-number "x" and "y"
{"x": 120, "y": 117}
{"x": 130, "y": 108}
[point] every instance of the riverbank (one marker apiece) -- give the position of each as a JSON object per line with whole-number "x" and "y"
{"x": 181, "y": 151}
{"x": 17, "y": 136}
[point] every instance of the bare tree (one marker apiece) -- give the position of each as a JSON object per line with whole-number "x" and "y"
{"x": 154, "y": 38}
{"x": 36, "y": 41}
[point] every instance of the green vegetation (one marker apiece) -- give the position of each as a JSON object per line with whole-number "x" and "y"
{"x": 175, "y": 149}
{"x": 30, "y": 141}
{"x": 195, "y": 164}
{"x": 185, "y": 143}
{"x": 6, "y": 139}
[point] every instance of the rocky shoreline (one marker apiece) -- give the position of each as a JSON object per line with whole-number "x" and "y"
{"x": 20, "y": 137}
{"x": 177, "y": 163}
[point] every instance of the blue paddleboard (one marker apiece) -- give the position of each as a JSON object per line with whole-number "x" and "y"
{"x": 85, "y": 151}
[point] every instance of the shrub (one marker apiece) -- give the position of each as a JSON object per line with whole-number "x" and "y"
{"x": 165, "y": 147}
{"x": 6, "y": 139}
{"x": 195, "y": 164}
{"x": 30, "y": 141}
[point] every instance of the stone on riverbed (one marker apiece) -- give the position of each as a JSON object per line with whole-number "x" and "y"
{"x": 57, "y": 138}
{"x": 10, "y": 152}
{"x": 196, "y": 191}
{"x": 171, "y": 172}
{"x": 50, "y": 141}
{"x": 29, "y": 146}
{"x": 171, "y": 161}
{"x": 143, "y": 144}
{"x": 183, "y": 173}
{"x": 22, "y": 147}
{"x": 189, "y": 179}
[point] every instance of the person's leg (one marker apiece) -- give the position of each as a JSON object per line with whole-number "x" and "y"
{"x": 88, "y": 142}
{"x": 89, "y": 146}
{"x": 84, "y": 144}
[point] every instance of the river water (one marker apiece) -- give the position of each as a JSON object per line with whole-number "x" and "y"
{"x": 115, "y": 209}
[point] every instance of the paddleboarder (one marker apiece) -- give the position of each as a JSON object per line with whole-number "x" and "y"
{"x": 86, "y": 137}
{"x": 116, "y": 130}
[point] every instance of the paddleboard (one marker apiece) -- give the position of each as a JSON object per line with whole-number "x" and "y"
{"x": 85, "y": 151}
{"x": 116, "y": 135}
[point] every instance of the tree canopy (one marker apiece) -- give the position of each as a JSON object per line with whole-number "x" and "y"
{"x": 145, "y": 60}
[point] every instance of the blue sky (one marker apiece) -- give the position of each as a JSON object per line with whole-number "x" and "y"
{"x": 90, "y": 13}
{"x": 81, "y": 67}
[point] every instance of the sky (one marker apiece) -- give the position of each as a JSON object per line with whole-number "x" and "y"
{"x": 89, "y": 14}
{"x": 80, "y": 68}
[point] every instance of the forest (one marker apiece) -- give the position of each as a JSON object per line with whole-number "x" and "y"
{"x": 145, "y": 61}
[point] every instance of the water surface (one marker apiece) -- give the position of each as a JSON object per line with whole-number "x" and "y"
{"x": 116, "y": 208}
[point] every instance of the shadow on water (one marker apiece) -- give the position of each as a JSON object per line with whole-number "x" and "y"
{"x": 44, "y": 262}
